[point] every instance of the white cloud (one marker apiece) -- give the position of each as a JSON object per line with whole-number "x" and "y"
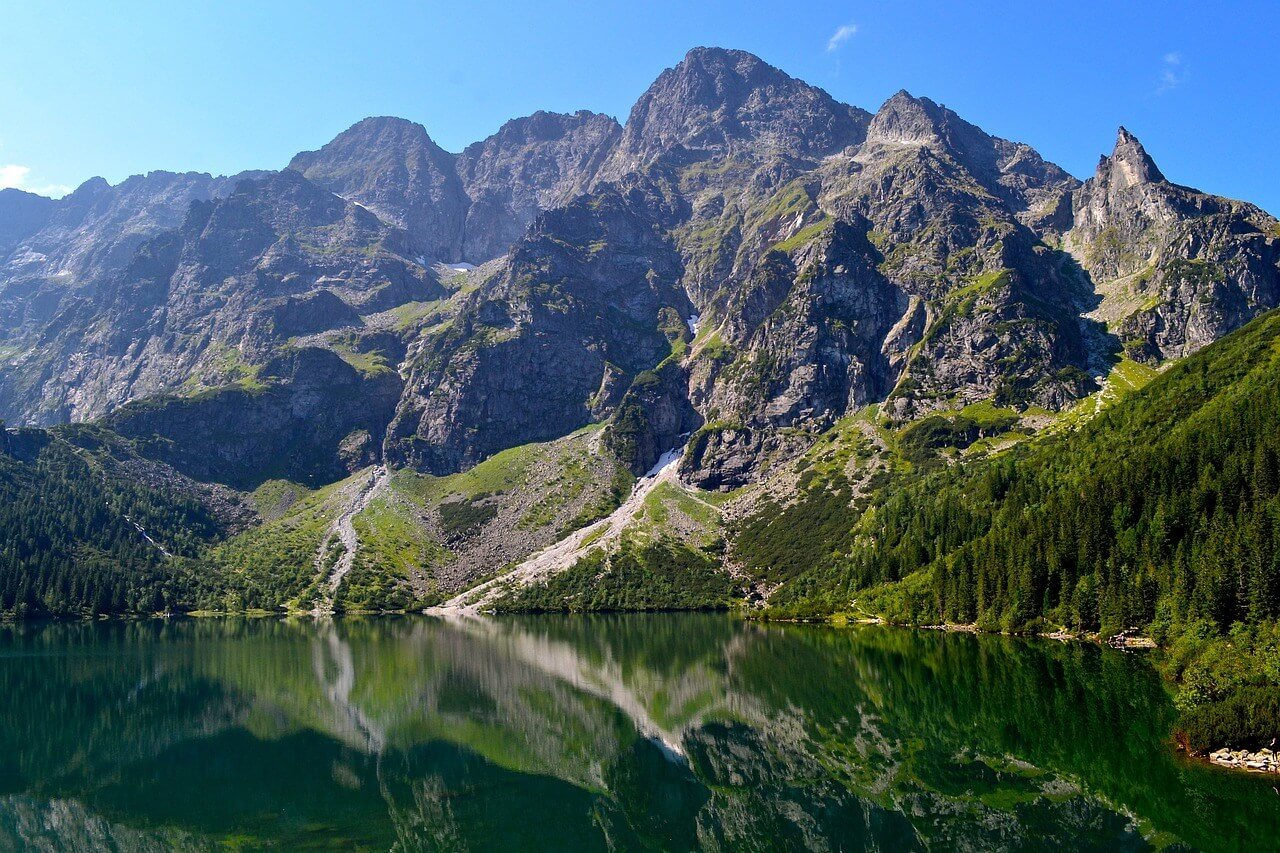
{"x": 1172, "y": 72}
{"x": 13, "y": 176}
{"x": 841, "y": 35}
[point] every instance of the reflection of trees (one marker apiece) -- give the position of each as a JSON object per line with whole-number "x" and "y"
{"x": 673, "y": 731}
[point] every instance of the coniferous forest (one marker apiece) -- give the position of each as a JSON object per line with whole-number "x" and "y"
{"x": 71, "y": 541}
{"x": 1161, "y": 515}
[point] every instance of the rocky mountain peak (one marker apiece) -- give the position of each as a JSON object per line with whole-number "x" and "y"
{"x": 1129, "y": 163}
{"x": 367, "y": 135}
{"x": 528, "y": 166}
{"x": 716, "y": 102}
{"x": 543, "y": 126}
{"x": 394, "y": 168}
{"x": 907, "y": 120}
{"x": 1011, "y": 171}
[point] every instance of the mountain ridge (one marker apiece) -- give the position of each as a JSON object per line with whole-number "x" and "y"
{"x": 743, "y": 268}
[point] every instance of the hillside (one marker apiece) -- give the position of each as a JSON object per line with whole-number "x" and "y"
{"x": 1160, "y": 515}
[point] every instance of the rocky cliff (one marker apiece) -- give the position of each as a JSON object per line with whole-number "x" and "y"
{"x": 746, "y": 261}
{"x": 1174, "y": 268}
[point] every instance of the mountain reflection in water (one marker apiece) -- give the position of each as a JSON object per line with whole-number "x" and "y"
{"x": 640, "y": 731}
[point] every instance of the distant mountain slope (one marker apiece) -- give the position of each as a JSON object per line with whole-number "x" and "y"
{"x": 465, "y": 207}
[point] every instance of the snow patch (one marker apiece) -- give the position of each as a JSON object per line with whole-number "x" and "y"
{"x": 664, "y": 461}
{"x": 693, "y": 324}
{"x": 462, "y": 267}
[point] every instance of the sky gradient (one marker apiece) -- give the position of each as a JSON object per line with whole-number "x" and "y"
{"x": 220, "y": 87}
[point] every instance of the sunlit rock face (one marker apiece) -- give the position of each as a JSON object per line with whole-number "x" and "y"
{"x": 542, "y": 279}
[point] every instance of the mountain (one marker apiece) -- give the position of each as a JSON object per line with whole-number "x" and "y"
{"x": 392, "y": 168}
{"x": 1175, "y": 268}
{"x": 530, "y": 165}
{"x": 713, "y": 337}
{"x": 720, "y": 103}
{"x": 468, "y": 207}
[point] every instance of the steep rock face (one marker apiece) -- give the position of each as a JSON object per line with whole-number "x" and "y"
{"x": 58, "y": 257}
{"x": 719, "y": 103}
{"x": 530, "y": 165}
{"x": 211, "y": 302}
{"x": 21, "y": 215}
{"x": 551, "y": 341}
{"x": 819, "y": 350}
{"x": 1175, "y": 268}
{"x": 393, "y": 168}
{"x": 96, "y": 229}
{"x": 654, "y": 416}
{"x": 308, "y": 420}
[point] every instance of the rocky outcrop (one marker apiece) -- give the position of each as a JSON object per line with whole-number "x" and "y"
{"x": 1262, "y": 761}
{"x": 530, "y": 165}
{"x": 813, "y": 337}
{"x": 1175, "y": 268}
{"x": 654, "y": 417}
{"x": 292, "y": 425}
{"x": 392, "y": 167}
{"x": 550, "y": 341}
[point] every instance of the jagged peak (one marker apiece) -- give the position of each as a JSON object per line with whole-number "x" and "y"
{"x": 716, "y": 100}
{"x": 380, "y": 132}
{"x": 382, "y": 124}
{"x": 708, "y": 74}
{"x": 906, "y": 119}
{"x": 722, "y": 57}
{"x": 545, "y": 125}
{"x": 1129, "y": 164}
{"x": 92, "y": 186}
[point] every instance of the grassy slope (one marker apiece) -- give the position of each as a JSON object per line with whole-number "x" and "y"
{"x": 410, "y": 531}
{"x": 669, "y": 558}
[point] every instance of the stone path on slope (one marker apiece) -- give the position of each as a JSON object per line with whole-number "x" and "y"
{"x": 570, "y": 549}
{"x": 343, "y": 529}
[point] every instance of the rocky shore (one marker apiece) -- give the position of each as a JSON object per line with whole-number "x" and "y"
{"x": 1262, "y": 761}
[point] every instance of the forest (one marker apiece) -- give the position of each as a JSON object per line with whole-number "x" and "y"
{"x": 1160, "y": 515}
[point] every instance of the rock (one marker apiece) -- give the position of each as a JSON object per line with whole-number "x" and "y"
{"x": 1175, "y": 268}
{"x": 393, "y": 168}
{"x": 530, "y": 165}
{"x": 834, "y": 259}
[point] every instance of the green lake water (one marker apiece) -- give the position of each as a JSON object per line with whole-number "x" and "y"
{"x": 674, "y": 732}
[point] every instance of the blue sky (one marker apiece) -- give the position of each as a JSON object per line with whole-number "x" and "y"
{"x": 115, "y": 89}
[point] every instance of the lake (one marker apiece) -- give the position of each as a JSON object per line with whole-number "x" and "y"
{"x": 593, "y": 732}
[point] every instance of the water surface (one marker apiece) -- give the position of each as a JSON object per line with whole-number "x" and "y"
{"x": 593, "y": 733}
